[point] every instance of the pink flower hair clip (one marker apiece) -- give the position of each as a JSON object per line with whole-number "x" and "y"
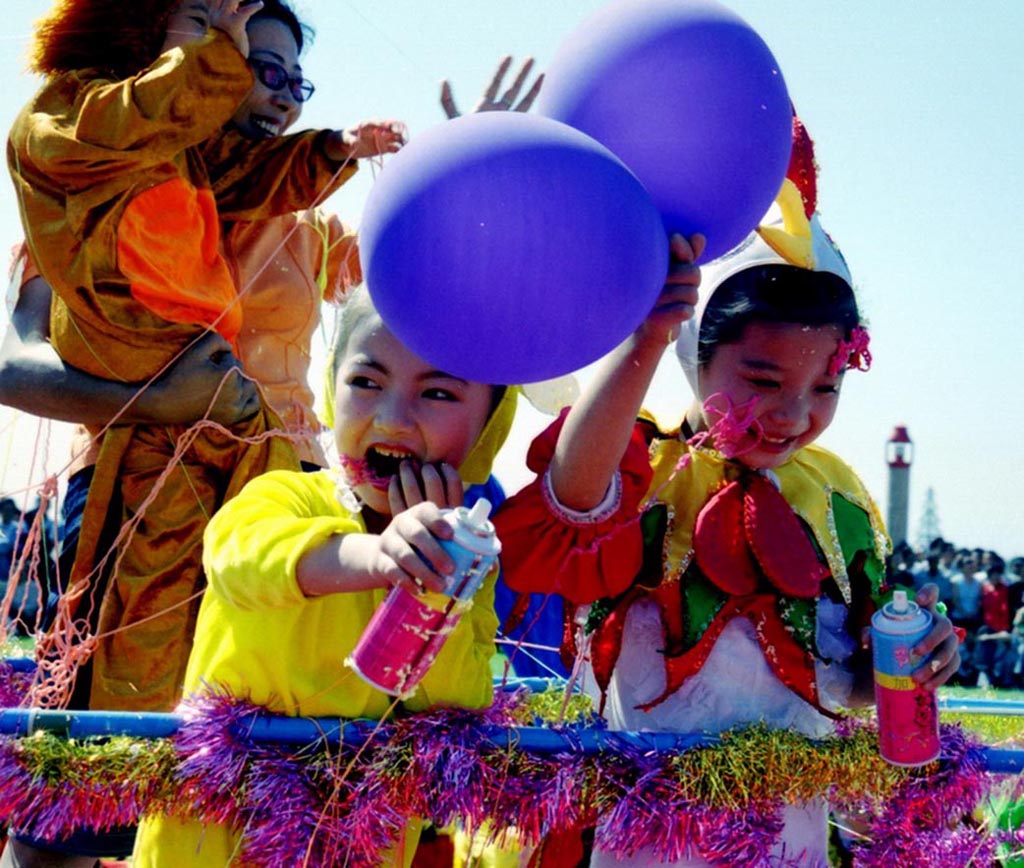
{"x": 852, "y": 354}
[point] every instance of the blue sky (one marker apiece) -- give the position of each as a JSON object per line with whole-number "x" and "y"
{"x": 917, "y": 115}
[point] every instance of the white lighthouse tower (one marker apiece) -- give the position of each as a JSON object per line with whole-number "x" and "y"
{"x": 899, "y": 453}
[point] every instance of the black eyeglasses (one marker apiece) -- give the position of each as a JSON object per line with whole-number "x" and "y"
{"x": 276, "y": 77}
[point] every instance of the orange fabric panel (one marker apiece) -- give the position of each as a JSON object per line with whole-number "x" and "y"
{"x": 159, "y": 234}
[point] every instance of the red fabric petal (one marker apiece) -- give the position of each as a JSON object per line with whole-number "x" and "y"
{"x": 779, "y": 542}
{"x": 720, "y": 546}
{"x": 516, "y": 613}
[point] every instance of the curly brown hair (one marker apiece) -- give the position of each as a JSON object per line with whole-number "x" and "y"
{"x": 113, "y": 35}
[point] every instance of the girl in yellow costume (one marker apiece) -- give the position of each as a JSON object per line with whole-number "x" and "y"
{"x": 297, "y": 563}
{"x": 120, "y": 190}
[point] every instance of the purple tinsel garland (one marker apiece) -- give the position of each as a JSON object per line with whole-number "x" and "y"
{"x": 916, "y": 827}
{"x": 14, "y": 685}
{"x": 349, "y": 805}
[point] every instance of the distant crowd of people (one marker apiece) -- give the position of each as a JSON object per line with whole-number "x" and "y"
{"x": 984, "y": 594}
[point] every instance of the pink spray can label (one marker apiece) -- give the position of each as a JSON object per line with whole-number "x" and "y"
{"x": 908, "y": 717}
{"x": 408, "y": 630}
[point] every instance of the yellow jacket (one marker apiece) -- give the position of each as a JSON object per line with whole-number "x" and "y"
{"x": 261, "y": 639}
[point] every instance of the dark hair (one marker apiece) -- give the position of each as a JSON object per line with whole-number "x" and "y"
{"x": 776, "y": 294}
{"x": 358, "y": 306}
{"x": 112, "y": 35}
{"x": 278, "y": 10}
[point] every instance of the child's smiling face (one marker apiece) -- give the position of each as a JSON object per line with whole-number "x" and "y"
{"x": 392, "y": 406}
{"x": 189, "y": 20}
{"x": 785, "y": 366}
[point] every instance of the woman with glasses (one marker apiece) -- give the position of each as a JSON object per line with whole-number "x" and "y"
{"x": 281, "y": 268}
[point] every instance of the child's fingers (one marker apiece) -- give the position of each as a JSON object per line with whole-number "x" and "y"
{"x": 526, "y": 103}
{"x": 512, "y": 93}
{"x": 942, "y": 629}
{"x": 942, "y": 665}
{"x": 417, "y": 576}
{"x": 452, "y": 485}
{"x": 406, "y": 488}
{"x": 687, "y": 250}
{"x": 927, "y": 596}
{"x": 439, "y": 484}
{"x": 941, "y": 650}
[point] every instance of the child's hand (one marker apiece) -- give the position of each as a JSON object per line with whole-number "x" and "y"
{"x": 676, "y": 303}
{"x": 940, "y": 648}
{"x": 490, "y": 102}
{"x": 409, "y": 554}
{"x": 232, "y": 16}
{"x": 366, "y": 139}
{"x": 441, "y": 485}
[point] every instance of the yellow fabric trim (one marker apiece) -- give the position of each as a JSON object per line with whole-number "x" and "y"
{"x": 808, "y": 482}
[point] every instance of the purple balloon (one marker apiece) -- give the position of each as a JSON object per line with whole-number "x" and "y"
{"x": 510, "y": 248}
{"x": 691, "y": 99}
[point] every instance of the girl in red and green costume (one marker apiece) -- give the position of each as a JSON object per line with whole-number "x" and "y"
{"x": 723, "y": 573}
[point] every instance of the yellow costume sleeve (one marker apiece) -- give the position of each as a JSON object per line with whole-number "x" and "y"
{"x": 260, "y": 638}
{"x": 253, "y": 543}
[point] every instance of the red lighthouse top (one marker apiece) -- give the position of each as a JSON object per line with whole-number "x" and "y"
{"x": 899, "y": 449}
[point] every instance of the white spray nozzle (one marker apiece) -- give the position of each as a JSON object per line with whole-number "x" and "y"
{"x": 478, "y": 515}
{"x": 899, "y": 601}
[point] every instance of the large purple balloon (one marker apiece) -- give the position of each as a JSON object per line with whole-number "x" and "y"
{"x": 510, "y": 248}
{"x": 691, "y": 99}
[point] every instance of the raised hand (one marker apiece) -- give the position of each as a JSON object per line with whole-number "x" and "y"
{"x": 232, "y": 16}
{"x": 676, "y": 303}
{"x": 366, "y": 139}
{"x": 490, "y": 101}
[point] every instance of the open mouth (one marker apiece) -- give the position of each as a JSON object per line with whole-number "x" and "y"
{"x": 268, "y": 127}
{"x": 776, "y": 444}
{"x": 377, "y": 467}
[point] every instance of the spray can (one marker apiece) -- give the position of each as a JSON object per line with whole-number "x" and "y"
{"x": 408, "y": 630}
{"x": 908, "y": 716}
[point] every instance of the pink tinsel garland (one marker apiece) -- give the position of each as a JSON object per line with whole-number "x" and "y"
{"x": 319, "y": 806}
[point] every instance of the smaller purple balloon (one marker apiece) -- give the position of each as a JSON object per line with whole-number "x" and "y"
{"x": 688, "y": 95}
{"x": 510, "y": 248}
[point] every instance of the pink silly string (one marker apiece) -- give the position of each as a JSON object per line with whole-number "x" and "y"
{"x": 735, "y": 430}
{"x": 732, "y": 430}
{"x": 358, "y": 472}
{"x": 853, "y": 354}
